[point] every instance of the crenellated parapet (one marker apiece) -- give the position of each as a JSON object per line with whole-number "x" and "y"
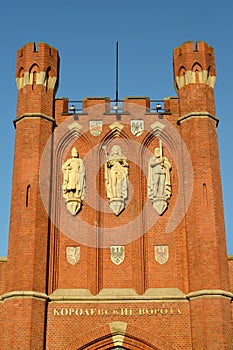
{"x": 194, "y": 77}
{"x": 37, "y": 73}
{"x": 193, "y": 65}
{"x": 37, "y": 66}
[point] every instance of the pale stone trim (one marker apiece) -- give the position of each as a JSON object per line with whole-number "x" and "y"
{"x": 24, "y": 294}
{"x": 118, "y": 330}
{"x": 171, "y": 98}
{"x": 157, "y": 126}
{"x": 34, "y": 116}
{"x": 116, "y": 128}
{"x": 136, "y": 97}
{"x": 96, "y": 98}
{"x": 116, "y": 125}
{"x": 199, "y": 115}
{"x": 27, "y": 79}
{"x": 75, "y": 126}
{"x": 40, "y": 78}
{"x": 3, "y": 258}
{"x": 52, "y": 82}
{"x": 209, "y": 293}
{"x": 190, "y": 78}
{"x": 116, "y": 295}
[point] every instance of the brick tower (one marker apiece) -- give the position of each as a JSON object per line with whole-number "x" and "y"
{"x": 117, "y": 237}
{"x": 26, "y": 278}
{"x": 194, "y": 71}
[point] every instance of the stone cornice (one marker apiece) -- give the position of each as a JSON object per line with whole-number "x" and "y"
{"x": 24, "y": 294}
{"x": 3, "y": 259}
{"x": 209, "y": 293}
{"x": 118, "y": 295}
{"x": 199, "y": 115}
{"x": 34, "y": 116}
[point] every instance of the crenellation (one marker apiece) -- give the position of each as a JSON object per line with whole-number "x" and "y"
{"x": 189, "y": 47}
{"x": 204, "y": 47}
{"x": 186, "y": 47}
{"x": 46, "y": 49}
{"x": 45, "y": 57}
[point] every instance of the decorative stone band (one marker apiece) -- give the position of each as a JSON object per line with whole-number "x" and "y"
{"x": 129, "y": 295}
{"x": 191, "y": 77}
{"x": 197, "y": 115}
{"x": 24, "y": 294}
{"x": 116, "y": 128}
{"x": 41, "y": 79}
{"x": 209, "y": 293}
{"x": 117, "y": 295}
{"x": 34, "y": 116}
{"x": 3, "y": 259}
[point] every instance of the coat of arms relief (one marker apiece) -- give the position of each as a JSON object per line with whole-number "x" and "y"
{"x": 117, "y": 254}
{"x": 72, "y": 255}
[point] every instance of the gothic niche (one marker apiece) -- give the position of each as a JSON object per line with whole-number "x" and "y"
{"x": 116, "y": 179}
{"x": 159, "y": 183}
{"x": 73, "y": 182}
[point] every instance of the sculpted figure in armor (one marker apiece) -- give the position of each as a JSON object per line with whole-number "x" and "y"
{"x": 159, "y": 184}
{"x": 116, "y": 173}
{"x": 73, "y": 177}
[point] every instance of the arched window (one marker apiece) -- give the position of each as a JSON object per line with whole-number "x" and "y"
{"x": 33, "y": 73}
{"x": 47, "y": 77}
{"x": 21, "y": 73}
{"x": 182, "y": 71}
{"x": 196, "y": 69}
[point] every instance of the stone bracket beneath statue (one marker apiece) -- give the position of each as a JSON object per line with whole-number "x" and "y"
{"x": 160, "y": 205}
{"x": 117, "y": 205}
{"x": 73, "y": 205}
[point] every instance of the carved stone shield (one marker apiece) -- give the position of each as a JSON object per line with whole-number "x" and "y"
{"x": 137, "y": 127}
{"x": 95, "y": 127}
{"x": 161, "y": 253}
{"x": 117, "y": 253}
{"x": 72, "y": 255}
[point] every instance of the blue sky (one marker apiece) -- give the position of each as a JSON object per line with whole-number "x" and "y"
{"x": 85, "y": 33}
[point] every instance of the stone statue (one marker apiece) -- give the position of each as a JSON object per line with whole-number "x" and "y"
{"x": 116, "y": 179}
{"x": 159, "y": 183}
{"x": 73, "y": 182}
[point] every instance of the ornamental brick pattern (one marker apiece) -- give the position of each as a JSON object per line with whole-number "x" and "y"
{"x": 181, "y": 302}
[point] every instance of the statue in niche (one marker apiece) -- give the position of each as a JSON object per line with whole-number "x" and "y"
{"x": 73, "y": 182}
{"x": 116, "y": 179}
{"x": 159, "y": 183}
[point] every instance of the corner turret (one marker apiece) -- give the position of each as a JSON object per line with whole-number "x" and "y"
{"x": 194, "y": 77}
{"x": 36, "y": 79}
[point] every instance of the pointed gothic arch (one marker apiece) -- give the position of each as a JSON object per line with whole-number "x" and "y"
{"x": 128, "y": 342}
